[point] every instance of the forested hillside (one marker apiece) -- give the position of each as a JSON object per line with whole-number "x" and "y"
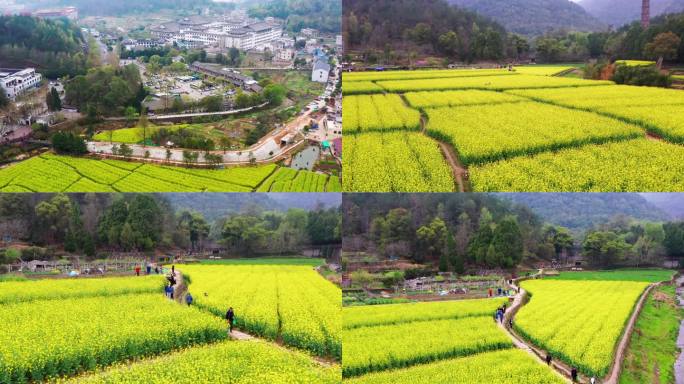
{"x": 619, "y": 12}
{"x": 114, "y": 8}
{"x": 410, "y": 27}
{"x": 323, "y": 15}
{"x": 54, "y": 46}
{"x": 534, "y": 17}
{"x": 581, "y": 211}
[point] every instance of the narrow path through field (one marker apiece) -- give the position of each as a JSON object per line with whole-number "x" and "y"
{"x": 459, "y": 172}
{"x": 614, "y": 375}
{"x": 519, "y": 300}
{"x": 559, "y": 366}
{"x": 181, "y": 289}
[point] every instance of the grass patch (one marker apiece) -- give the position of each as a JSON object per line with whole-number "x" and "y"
{"x": 649, "y": 275}
{"x": 652, "y": 348}
{"x": 315, "y": 262}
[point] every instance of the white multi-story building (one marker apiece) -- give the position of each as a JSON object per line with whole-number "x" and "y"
{"x": 321, "y": 71}
{"x": 229, "y": 32}
{"x": 284, "y": 54}
{"x": 253, "y": 36}
{"x": 16, "y": 83}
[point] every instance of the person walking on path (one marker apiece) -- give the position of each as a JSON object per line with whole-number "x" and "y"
{"x": 548, "y": 359}
{"x": 573, "y": 374}
{"x": 188, "y": 299}
{"x": 137, "y": 270}
{"x": 592, "y": 380}
{"x": 490, "y": 292}
{"x": 168, "y": 291}
{"x": 149, "y": 268}
{"x": 173, "y": 269}
{"x": 230, "y": 317}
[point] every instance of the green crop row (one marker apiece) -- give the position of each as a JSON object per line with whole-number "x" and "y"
{"x": 227, "y": 362}
{"x": 508, "y": 366}
{"x": 580, "y": 322}
{"x": 55, "y": 173}
{"x": 486, "y": 133}
{"x": 43, "y": 339}
{"x": 395, "y": 162}
{"x": 378, "y": 113}
{"x": 635, "y": 165}
{"x": 383, "y": 347}
{"x": 292, "y": 300}
{"x": 12, "y": 292}
{"x": 498, "y": 83}
{"x": 373, "y": 315}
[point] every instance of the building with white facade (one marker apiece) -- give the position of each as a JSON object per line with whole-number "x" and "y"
{"x": 253, "y": 36}
{"x": 16, "y": 83}
{"x": 234, "y": 31}
{"x": 320, "y": 72}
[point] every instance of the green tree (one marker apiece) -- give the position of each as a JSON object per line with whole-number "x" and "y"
{"x": 127, "y": 237}
{"x": 455, "y": 257}
{"x": 449, "y": 43}
{"x": 664, "y": 46}
{"x": 274, "y": 94}
{"x": 431, "y": 240}
{"x": 604, "y": 248}
{"x": 508, "y": 243}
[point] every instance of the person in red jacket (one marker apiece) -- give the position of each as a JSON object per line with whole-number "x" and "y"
{"x": 137, "y": 270}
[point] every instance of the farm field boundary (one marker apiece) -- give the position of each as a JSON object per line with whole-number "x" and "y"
{"x": 583, "y": 139}
{"x": 55, "y": 173}
{"x": 562, "y": 366}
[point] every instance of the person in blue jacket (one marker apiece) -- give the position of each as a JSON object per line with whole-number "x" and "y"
{"x": 188, "y": 299}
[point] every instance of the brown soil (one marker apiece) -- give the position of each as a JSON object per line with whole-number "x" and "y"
{"x": 459, "y": 171}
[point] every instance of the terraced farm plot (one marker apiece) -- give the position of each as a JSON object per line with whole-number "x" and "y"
{"x": 635, "y": 165}
{"x": 353, "y": 77}
{"x": 108, "y": 330}
{"x": 422, "y": 100}
{"x": 578, "y": 321}
{"x": 498, "y": 83}
{"x": 394, "y": 162}
{"x": 450, "y": 342}
{"x": 360, "y": 87}
{"x": 292, "y": 302}
{"x": 542, "y": 70}
{"x": 378, "y": 113}
{"x": 366, "y": 316}
{"x": 233, "y": 362}
{"x": 55, "y": 173}
{"x": 398, "y": 345}
{"x": 599, "y": 97}
{"x": 508, "y": 366}
{"x": 528, "y": 131}
{"x": 659, "y": 110}
{"x": 12, "y": 292}
{"x": 647, "y": 275}
{"x": 489, "y": 133}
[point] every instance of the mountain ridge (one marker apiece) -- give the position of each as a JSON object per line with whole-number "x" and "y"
{"x": 620, "y": 12}
{"x": 534, "y": 17}
{"x": 581, "y": 211}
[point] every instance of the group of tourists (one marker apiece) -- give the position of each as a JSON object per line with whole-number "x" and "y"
{"x": 500, "y": 313}
{"x": 169, "y": 289}
{"x": 502, "y": 292}
{"x": 573, "y": 371}
{"x": 148, "y": 269}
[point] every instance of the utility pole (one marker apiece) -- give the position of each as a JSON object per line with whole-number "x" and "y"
{"x": 645, "y": 13}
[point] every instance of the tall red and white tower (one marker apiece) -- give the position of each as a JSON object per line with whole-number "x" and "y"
{"x": 645, "y": 13}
